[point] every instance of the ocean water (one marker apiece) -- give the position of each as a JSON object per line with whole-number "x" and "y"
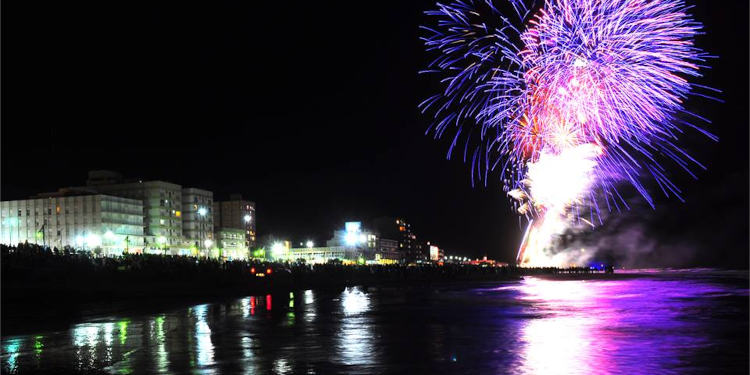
{"x": 657, "y": 322}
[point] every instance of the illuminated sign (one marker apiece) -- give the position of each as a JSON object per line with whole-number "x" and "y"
{"x": 353, "y": 226}
{"x": 434, "y": 253}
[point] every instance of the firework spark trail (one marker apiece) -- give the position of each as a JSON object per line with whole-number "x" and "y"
{"x": 566, "y": 100}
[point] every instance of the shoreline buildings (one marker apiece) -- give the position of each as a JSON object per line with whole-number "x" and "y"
{"x": 236, "y": 213}
{"x": 112, "y": 215}
{"x": 101, "y": 223}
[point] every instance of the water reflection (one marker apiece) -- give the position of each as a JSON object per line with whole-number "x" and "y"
{"x": 10, "y": 354}
{"x": 639, "y": 326}
{"x": 158, "y": 338}
{"x": 85, "y": 339}
{"x": 356, "y": 338}
{"x": 564, "y": 339}
{"x": 631, "y": 326}
{"x": 205, "y": 347}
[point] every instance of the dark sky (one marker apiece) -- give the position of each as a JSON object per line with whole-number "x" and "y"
{"x": 308, "y": 109}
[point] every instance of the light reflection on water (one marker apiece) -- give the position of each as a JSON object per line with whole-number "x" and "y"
{"x": 356, "y": 339}
{"x": 204, "y": 346}
{"x": 562, "y": 341}
{"x": 648, "y": 325}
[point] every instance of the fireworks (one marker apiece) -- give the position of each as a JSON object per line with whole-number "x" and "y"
{"x": 566, "y": 100}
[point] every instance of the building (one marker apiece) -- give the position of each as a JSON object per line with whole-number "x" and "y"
{"x": 237, "y": 213}
{"x": 435, "y": 253}
{"x": 198, "y": 219}
{"x": 358, "y": 240}
{"x": 315, "y": 255}
{"x": 162, "y": 207}
{"x": 101, "y": 223}
{"x": 388, "y": 249}
{"x": 230, "y": 244}
{"x": 398, "y": 229}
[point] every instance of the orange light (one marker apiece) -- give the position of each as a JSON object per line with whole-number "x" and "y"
{"x": 268, "y": 271}
{"x": 252, "y": 270}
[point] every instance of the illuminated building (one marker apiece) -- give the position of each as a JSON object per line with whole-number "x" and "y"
{"x": 237, "y": 213}
{"x": 316, "y": 255}
{"x": 198, "y": 218}
{"x": 230, "y": 244}
{"x": 360, "y": 242}
{"x": 162, "y": 207}
{"x": 400, "y": 230}
{"x": 93, "y": 222}
{"x": 388, "y": 249}
{"x": 434, "y": 252}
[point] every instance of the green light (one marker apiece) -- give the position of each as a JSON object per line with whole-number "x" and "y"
{"x": 123, "y": 325}
{"x": 39, "y": 235}
{"x": 38, "y": 345}
{"x": 260, "y": 253}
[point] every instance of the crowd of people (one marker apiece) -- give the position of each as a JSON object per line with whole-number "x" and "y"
{"x": 29, "y": 265}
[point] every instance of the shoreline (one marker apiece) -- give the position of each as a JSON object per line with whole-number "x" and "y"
{"x": 29, "y": 309}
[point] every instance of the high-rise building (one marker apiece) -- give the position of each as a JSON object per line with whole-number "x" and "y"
{"x": 236, "y": 213}
{"x": 388, "y": 249}
{"x": 198, "y": 219}
{"x": 101, "y": 223}
{"x": 400, "y": 230}
{"x": 162, "y": 208}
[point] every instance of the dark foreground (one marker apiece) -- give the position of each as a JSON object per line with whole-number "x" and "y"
{"x": 657, "y": 323}
{"x": 40, "y": 287}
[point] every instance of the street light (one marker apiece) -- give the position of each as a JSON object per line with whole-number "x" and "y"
{"x": 310, "y": 243}
{"x": 277, "y": 250}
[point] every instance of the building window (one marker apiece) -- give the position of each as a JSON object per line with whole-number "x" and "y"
{"x": 49, "y": 211}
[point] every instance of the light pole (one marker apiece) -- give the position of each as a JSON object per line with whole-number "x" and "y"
{"x": 208, "y": 243}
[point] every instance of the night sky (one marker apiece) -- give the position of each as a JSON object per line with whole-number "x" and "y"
{"x": 310, "y": 110}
